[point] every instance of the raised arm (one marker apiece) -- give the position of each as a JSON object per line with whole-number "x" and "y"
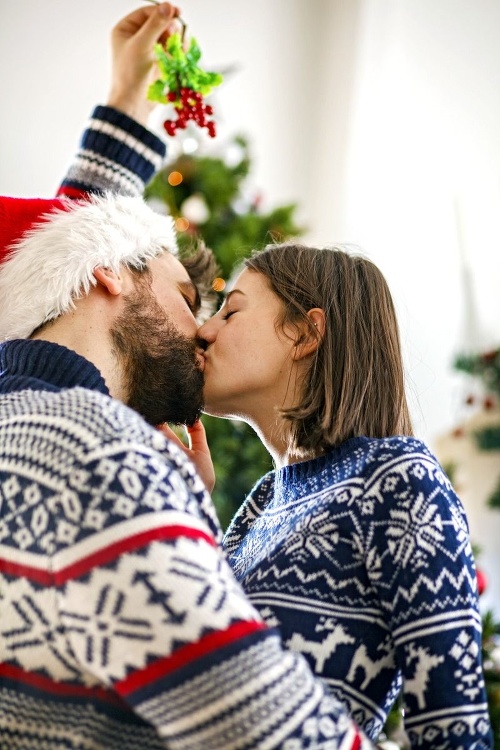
{"x": 117, "y": 152}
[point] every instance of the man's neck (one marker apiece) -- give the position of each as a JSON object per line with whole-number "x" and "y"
{"x": 89, "y": 342}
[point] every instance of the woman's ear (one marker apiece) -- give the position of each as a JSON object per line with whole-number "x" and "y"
{"x": 309, "y": 339}
{"x": 108, "y": 279}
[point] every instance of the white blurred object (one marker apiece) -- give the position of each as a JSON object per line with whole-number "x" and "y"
{"x": 195, "y": 210}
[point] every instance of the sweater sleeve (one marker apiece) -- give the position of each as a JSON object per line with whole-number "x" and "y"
{"x": 116, "y": 154}
{"x": 419, "y": 559}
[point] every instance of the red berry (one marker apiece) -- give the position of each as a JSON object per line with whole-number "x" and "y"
{"x": 209, "y": 110}
{"x": 170, "y": 127}
{"x": 211, "y": 129}
{"x": 171, "y": 96}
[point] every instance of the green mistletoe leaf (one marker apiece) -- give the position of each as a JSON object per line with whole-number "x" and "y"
{"x": 179, "y": 69}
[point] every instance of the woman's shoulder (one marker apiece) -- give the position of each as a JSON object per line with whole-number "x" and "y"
{"x": 380, "y": 465}
{"x": 371, "y": 450}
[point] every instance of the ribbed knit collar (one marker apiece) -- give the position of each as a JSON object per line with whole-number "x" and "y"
{"x": 50, "y": 366}
{"x": 304, "y": 470}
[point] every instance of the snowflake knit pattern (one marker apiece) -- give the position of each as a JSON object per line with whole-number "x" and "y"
{"x": 121, "y": 625}
{"x": 362, "y": 559}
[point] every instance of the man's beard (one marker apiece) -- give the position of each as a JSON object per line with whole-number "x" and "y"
{"x": 162, "y": 379}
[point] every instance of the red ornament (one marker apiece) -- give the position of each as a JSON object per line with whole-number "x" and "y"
{"x": 481, "y": 581}
{"x": 490, "y": 356}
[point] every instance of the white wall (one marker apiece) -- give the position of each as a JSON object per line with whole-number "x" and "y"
{"x": 379, "y": 117}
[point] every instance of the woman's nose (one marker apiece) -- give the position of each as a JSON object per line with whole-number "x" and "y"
{"x": 207, "y": 332}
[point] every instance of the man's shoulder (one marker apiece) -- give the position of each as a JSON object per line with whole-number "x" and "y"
{"x": 95, "y": 411}
{"x": 85, "y": 444}
{"x": 83, "y": 421}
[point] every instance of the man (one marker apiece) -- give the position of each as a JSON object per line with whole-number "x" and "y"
{"x": 121, "y": 625}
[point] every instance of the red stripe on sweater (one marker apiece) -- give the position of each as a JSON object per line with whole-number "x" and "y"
{"x": 356, "y": 742}
{"x": 46, "y": 685}
{"x": 102, "y": 556}
{"x": 187, "y": 654}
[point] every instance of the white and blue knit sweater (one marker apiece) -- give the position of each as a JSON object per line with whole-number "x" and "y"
{"x": 362, "y": 559}
{"x": 121, "y": 625}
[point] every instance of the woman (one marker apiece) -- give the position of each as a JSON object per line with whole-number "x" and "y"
{"x": 356, "y": 545}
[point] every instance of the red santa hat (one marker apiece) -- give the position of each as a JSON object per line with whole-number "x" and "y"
{"x": 49, "y": 248}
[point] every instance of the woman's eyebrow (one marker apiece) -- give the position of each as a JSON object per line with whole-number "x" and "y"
{"x": 233, "y": 291}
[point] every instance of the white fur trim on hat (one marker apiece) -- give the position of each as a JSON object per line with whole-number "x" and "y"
{"x": 53, "y": 263}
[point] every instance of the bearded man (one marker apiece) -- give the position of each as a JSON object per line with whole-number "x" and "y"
{"x": 121, "y": 624}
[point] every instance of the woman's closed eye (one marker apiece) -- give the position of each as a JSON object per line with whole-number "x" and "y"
{"x": 228, "y": 314}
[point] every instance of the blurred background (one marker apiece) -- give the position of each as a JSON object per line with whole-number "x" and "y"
{"x": 373, "y": 123}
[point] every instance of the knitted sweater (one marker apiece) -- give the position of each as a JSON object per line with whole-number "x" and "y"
{"x": 121, "y": 625}
{"x": 362, "y": 559}
{"x": 116, "y": 154}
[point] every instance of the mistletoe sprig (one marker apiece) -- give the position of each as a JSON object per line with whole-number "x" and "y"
{"x": 183, "y": 84}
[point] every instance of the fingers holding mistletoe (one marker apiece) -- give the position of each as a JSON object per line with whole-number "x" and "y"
{"x": 133, "y": 56}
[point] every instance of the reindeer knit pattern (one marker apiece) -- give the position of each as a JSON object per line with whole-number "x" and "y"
{"x": 362, "y": 559}
{"x": 121, "y": 625}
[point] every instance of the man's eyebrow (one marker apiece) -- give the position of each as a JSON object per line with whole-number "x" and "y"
{"x": 191, "y": 290}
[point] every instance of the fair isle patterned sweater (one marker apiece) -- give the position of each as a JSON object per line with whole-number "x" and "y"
{"x": 121, "y": 625}
{"x": 362, "y": 559}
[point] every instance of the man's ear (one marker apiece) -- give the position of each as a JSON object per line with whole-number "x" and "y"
{"x": 309, "y": 340}
{"x": 108, "y": 279}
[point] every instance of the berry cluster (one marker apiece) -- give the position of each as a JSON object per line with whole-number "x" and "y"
{"x": 188, "y": 105}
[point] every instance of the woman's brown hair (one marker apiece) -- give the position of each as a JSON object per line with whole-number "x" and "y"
{"x": 355, "y": 385}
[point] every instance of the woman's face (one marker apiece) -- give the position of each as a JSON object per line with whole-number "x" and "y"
{"x": 248, "y": 358}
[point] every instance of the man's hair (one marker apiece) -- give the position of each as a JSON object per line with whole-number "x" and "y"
{"x": 201, "y": 265}
{"x": 355, "y": 383}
